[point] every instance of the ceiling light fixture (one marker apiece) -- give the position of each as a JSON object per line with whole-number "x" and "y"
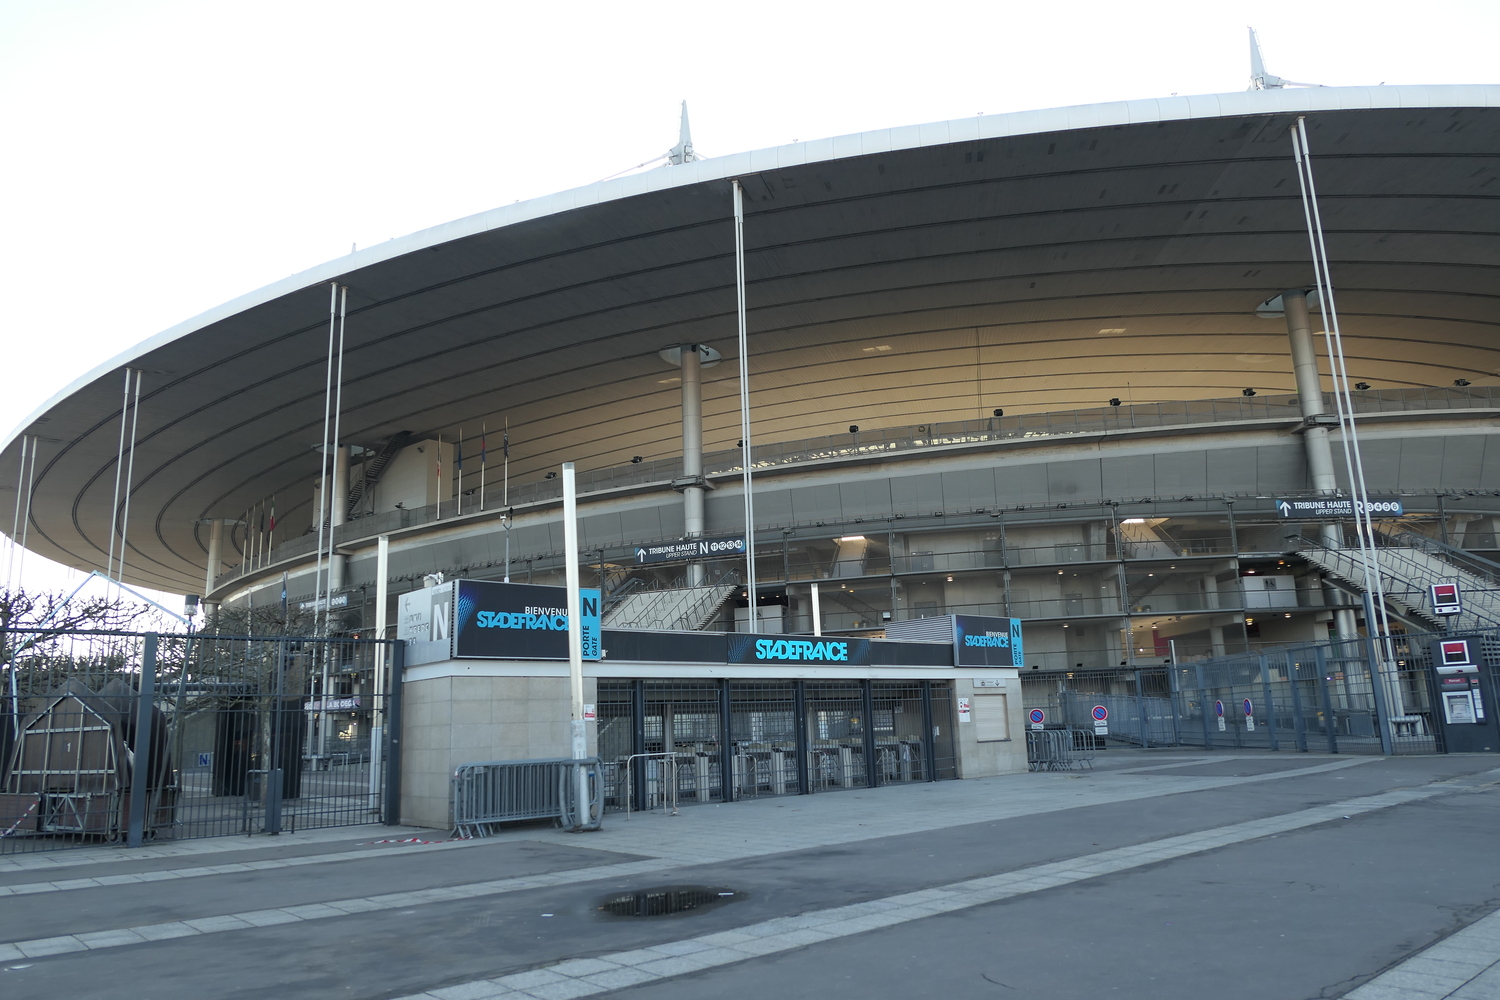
{"x": 852, "y": 538}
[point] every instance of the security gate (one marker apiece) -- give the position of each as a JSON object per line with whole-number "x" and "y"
{"x": 109, "y": 737}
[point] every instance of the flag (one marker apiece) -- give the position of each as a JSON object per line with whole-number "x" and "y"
{"x": 273, "y": 513}
{"x": 505, "y": 443}
{"x": 460, "y": 456}
{"x": 262, "y": 520}
{"x": 481, "y": 447}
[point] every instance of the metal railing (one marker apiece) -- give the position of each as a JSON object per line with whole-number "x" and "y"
{"x": 1059, "y": 749}
{"x": 489, "y": 793}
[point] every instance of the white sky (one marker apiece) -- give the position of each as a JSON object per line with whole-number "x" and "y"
{"x": 159, "y": 157}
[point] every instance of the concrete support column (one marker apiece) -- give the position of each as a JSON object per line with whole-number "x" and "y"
{"x": 1315, "y": 433}
{"x": 338, "y": 564}
{"x": 692, "y": 452}
{"x": 215, "y": 554}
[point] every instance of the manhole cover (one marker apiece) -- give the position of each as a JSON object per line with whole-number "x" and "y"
{"x": 661, "y": 902}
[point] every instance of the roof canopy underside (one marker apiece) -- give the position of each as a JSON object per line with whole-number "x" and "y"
{"x": 1032, "y": 272}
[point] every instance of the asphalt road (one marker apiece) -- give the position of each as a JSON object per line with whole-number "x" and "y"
{"x": 1307, "y": 913}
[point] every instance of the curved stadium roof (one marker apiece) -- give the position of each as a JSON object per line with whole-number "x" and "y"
{"x": 1032, "y": 261}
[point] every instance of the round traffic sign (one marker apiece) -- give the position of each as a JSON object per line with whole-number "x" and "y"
{"x": 1249, "y": 707}
{"x": 1219, "y": 709}
{"x": 1101, "y": 713}
{"x": 1038, "y": 716}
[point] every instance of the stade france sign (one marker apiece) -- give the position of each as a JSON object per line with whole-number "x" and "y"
{"x": 799, "y": 650}
{"x": 482, "y": 619}
{"x": 981, "y": 641}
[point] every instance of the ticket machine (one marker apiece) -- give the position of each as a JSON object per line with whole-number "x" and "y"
{"x": 1465, "y": 706}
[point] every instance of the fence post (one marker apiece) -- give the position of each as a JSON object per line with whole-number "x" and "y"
{"x": 1140, "y": 712}
{"x": 867, "y": 697}
{"x": 393, "y": 737}
{"x": 799, "y": 712}
{"x": 1321, "y": 655}
{"x": 929, "y": 741}
{"x": 636, "y": 776}
{"x": 726, "y": 740}
{"x": 1208, "y": 741}
{"x": 1265, "y": 689}
{"x": 140, "y": 771}
{"x": 1377, "y": 687}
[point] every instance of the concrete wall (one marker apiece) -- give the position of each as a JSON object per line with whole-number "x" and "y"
{"x": 456, "y": 720}
{"x": 412, "y": 477}
{"x": 982, "y": 758}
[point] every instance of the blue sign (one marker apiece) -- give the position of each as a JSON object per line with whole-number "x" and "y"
{"x": 987, "y": 642}
{"x": 799, "y": 650}
{"x": 521, "y": 621}
{"x": 1219, "y": 709}
{"x": 206, "y": 759}
{"x": 1101, "y": 713}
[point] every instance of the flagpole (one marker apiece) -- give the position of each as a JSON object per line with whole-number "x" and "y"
{"x": 440, "y": 477}
{"x": 482, "y": 428}
{"x": 459, "y": 472}
{"x": 505, "y": 492}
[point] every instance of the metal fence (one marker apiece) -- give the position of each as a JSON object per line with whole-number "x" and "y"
{"x": 503, "y": 791}
{"x": 113, "y": 737}
{"x": 1346, "y": 696}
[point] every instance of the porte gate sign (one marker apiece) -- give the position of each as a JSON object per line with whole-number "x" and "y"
{"x": 1219, "y": 711}
{"x": 1037, "y": 717}
{"x": 1101, "y": 720}
{"x": 1446, "y": 599}
{"x": 1249, "y": 716}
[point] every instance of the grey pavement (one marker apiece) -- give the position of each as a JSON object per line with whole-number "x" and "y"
{"x": 1161, "y": 874}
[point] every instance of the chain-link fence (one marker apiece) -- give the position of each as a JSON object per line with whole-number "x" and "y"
{"x": 110, "y": 737}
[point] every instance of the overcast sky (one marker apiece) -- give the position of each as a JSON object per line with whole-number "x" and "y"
{"x": 163, "y": 156}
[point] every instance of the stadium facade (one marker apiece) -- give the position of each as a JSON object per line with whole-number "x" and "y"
{"x": 1057, "y": 366}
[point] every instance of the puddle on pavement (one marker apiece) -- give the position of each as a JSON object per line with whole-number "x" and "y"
{"x": 667, "y": 900}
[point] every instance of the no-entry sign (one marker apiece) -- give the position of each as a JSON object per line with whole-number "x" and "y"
{"x": 1037, "y": 717}
{"x": 1101, "y": 720}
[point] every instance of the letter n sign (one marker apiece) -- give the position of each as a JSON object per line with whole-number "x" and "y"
{"x": 1446, "y": 600}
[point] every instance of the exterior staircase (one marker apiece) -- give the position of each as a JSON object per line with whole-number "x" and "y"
{"x": 1409, "y": 564}
{"x": 687, "y": 609}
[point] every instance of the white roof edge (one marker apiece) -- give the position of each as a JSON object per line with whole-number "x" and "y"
{"x": 1132, "y": 112}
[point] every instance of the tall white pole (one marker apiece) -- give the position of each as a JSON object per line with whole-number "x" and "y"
{"x": 114, "y": 507}
{"x": 378, "y": 669}
{"x": 15, "y": 526}
{"x": 135, "y": 419}
{"x": 323, "y": 483}
{"x": 817, "y": 612}
{"x": 739, "y": 285}
{"x": 579, "y": 730}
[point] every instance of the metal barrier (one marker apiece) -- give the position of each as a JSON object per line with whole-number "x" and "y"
{"x": 661, "y": 781}
{"x": 506, "y": 791}
{"x": 1059, "y": 749}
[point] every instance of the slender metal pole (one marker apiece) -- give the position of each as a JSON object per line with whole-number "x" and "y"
{"x": 114, "y": 506}
{"x": 577, "y": 728}
{"x": 26, "y": 512}
{"x": 135, "y": 418}
{"x": 15, "y": 525}
{"x": 330, "y": 487}
{"x": 1343, "y": 400}
{"x": 483, "y": 456}
{"x": 323, "y": 483}
{"x": 745, "y": 451}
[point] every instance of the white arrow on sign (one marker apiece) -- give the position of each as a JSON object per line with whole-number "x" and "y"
{"x": 1286, "y": 509}
{"x": 640, "y": 555}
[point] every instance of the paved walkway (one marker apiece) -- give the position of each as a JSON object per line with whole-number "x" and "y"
{"x": 838, "y": 874}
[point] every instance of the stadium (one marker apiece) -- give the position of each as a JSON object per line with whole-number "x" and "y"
{"x": 1057, "y": 366}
